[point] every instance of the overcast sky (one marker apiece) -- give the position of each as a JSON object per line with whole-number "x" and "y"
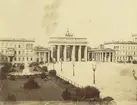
{"x": 98, "y": 20}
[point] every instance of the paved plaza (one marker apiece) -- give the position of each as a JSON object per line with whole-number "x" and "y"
{"x": 113, "y": 79}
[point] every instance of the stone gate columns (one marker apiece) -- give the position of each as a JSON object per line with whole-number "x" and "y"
{"x": 73, "y": 53}
{"x": 65, "y": 48}
{"x": 58, "y": 53}
{"x": 85, "y": 54}
{"x": 79, "y": 54}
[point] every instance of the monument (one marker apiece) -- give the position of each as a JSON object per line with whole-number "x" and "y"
{"x": 26, "y": 70}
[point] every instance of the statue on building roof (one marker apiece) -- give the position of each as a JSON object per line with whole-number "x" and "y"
{"x": 68, "y": 34}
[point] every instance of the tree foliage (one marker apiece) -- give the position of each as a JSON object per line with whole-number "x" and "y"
{"x": 52, "y": 72}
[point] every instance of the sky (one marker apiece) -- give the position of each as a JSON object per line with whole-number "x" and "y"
{"x": 98, "y": 20}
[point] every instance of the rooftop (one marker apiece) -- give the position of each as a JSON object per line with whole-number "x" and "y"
{"x": 120, "y": 42}
{"x": 40, "y": 48}
{"x": 17, "y": 39}
{"x": 98, "y": 49}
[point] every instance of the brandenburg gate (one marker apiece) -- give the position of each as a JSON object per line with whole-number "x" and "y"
{"x": 68, "y": 48}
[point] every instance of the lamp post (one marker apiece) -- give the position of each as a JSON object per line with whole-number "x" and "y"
{"x": 134, "y": 72}
{"x": 73, "y": 63}
{"x": 53, "y": 63}
{"x": 94, "y": 70}
{"x": 61, "y": 63}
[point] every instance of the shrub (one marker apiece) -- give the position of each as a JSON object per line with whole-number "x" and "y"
{"x": 12, "y": 77}
{"x": 52, "y": 72}
{"x": 66, "y": 82}
{"x": 12, "y": 70}
{"x": 21, "y": 66}
{"x": 2, "y": 76}
{"x": 34, "y": 64}
{"x": 35, "y": 69}
{"x": 44, "y": 69}
{"x": 5, "y": 68}
{"x": 91, "y": 92}
{"x": 66, "y": 95}
{"x": 31, "y": 84}
{"x": 134, "y": 62}
{"x": 108, "y": 98}
{"x": 11, "y": 97}
{"x": 30, "y": 65}
{"x": 79, "y": 92}
{"x": 43, "y": 76}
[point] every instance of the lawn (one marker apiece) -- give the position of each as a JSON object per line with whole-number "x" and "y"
{"x": 49, "y": 91}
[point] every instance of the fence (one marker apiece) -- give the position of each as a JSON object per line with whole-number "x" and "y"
{"x": 70, "y": 81}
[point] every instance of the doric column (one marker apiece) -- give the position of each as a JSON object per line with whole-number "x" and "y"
{"x": 109, "y": 56}
{"x": 113, "y": 55}
{"x": 105, "y": 57}
{"x": 102, "y": 56}
{"x": 73, "y": 53}
{"x": 52, "y": 51}
{"x": 65, "y": 48}
{"x": 48, "y": 56}
{"x": 58, "y": 53}
{"x": 8, "y": 59}
{"x": 85, "y": 54}
{"x": 79, "y": 53}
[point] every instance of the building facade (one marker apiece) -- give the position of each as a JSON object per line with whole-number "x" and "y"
{"x": 42, "y": 54}
{"x": 101, "y": 54}
{"x": 17, "y": 50}
{"x": 125, "y": 51}
{"x": 68, "y": 48}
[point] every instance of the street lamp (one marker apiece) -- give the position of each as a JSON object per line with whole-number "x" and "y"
{"x": 134, "y": 72}
{"x": 61, "y": 63}
{"x": 94, "y": 69}
{"x": 53, "y": 63}
{"x": 73, "y": 63}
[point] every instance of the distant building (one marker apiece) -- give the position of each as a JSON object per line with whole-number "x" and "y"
{"x": 17, "y": 50}
{"x": 101, "y": 54}
{"x": 42, "y": 54}
{"x": 124, "y": 50}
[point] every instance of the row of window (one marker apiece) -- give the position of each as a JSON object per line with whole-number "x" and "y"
{"x": 22, "y": 52}
{"x": 126, "y": 53}
{"x": 23, "y": 59}
{"x": 41, "y": 53}
{"x": 125, "y": 47}
{"x": 16, "y": 45}
{"x": 122, "y": 58}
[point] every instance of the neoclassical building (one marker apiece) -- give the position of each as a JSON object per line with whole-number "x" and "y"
{"x": 115, "y": 51}
{"x": 41, "y": 54}
{"x": 125, "y": 51}
{"x": 68, "y": 48}
{"x": 101, "y": 54}
{"x": 17, "y": 50}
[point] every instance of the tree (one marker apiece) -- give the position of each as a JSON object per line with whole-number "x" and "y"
{"x": 44, "y": 69}
{"x": 66, "y": 95}
{"x": 21, "y": 66}
{"x": 2, "y": 75}
{"x": 43, "y": 76}
{"x": 52, "y": 72}
{"x": 91, "y": 92}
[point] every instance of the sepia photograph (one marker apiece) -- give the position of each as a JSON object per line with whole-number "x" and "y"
{"x": 68, "y": 52}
